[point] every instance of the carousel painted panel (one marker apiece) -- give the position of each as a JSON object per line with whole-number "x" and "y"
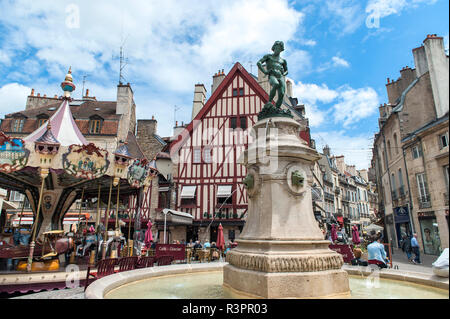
{"x": 13, "y": 154}
{"x": 139, "y": 172}
{"x": 86, "y": 161}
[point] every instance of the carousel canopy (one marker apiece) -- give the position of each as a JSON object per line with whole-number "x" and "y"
{"x": 63, "y": 128}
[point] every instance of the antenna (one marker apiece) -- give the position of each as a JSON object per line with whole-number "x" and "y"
{"x": 175, "y": 109}
{"x": 251, "y": 67}
{"x": 84, "y": 80}
{"x": 123, "y": 62}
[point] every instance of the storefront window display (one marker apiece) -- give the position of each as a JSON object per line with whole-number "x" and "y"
{"x": 430, "y": 235}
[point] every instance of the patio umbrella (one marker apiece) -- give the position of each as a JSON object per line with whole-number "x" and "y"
{"x": 220, "y": 242}
{"x": 373, "y": 227}
{"x": 355, "y": 235}
{"x": 148, "y": 234}
{"x": 333, "y": 233}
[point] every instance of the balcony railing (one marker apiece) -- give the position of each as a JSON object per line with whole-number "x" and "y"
{"x": 424, "y": 201}
{"x": 328, "y": 196}
{"x": 394, "y": 195}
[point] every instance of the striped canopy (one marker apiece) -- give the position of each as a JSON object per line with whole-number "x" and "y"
{"x": 63, "y": 128}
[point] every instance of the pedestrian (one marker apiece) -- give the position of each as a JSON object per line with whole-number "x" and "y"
{"x": 415, "y": 249}
{"x": 207, "y": 244}
{"x": 377, "y": 254}
{"x": 406, "y": 246}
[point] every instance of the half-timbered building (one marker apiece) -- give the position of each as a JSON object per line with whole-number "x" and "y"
{"x": 208, "y": 175}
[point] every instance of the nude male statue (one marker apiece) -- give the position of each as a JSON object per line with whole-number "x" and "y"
{"x": 276, "y": 69}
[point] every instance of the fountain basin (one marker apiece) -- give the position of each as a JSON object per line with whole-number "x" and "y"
{"x": 190, "y": 281}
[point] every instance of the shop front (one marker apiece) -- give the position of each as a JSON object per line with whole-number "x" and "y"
{"x": 429, "y": 230}
{"x": 402, "y": 222}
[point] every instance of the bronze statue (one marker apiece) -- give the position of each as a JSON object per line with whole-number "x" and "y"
{"x": 276, "y": 69}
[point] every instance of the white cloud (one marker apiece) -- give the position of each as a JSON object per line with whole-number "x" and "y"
{"x": 355, "y": 104}
{"x": 13, "y": 97}
{"x": 345, "y": 105}
{"x": 337, "y": 61}
{"x": 384, "y": 8}
{"x": 347, "y": 15}
{"x": 4, "y": 57}
{"x": 356, "y": 149}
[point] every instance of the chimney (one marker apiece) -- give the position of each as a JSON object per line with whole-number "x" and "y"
{"x": 326, "y": 150}
{"x": 289, "y": 88}
{"x": 32, "y": 92}
{"x": 124, "y": 98}
{"x": 199, "y": 99}
{"x": 87, "y": 92}
{"x": 217, "y": 79}
{"x": 437, "y": 62}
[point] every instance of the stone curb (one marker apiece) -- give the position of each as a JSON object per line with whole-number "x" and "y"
{"x": 99, "y": 288}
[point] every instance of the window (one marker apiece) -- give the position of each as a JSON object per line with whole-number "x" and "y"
{"x": 163, "y": 198}
{"x": 224, "y": 195}
{"x": 446, "y": 176}
{"x": 443, "y": 141}
{"x": 207, "y": 155}
{"x": 416, "y": 151}
{"x": 18, "y": 125}
{"x": 41, "y": 122}
{"x": 197, "y": 156}
{"x": 233, "y": 122}
{"x": 422, "y": 186}
{"x": 395, "y": 143}
{"x": 94, "y": 126}
{"x": 243, "y": 122}
{"x": 188, "y": 196}
{"x": 238, "y": 92}
{"x": 389, "y": 149}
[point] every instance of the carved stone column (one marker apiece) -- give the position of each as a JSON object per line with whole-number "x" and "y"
{"x": 281, "y": 252}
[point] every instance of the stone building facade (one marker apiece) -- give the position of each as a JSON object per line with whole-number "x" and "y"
{"x": 410, "y": 151}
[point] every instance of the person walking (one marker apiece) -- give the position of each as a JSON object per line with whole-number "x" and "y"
{"x": 415, "y": 249}
{"x": 406, "y": 246}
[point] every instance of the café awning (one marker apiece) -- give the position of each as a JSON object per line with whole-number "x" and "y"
{"x": 188, "y": 191}
{"x": 224, "y": 190}
{"x": 177, "y": 217}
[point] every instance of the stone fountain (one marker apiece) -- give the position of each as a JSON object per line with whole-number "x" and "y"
{"x": 281, "y": 251}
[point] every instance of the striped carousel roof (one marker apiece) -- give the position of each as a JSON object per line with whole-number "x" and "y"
{"x": 63, "y": 126}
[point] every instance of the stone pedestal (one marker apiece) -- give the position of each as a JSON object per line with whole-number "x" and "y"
{"x": 281, "y": 252}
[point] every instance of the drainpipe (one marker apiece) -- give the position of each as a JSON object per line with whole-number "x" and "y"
{"x": 410, "y": 207}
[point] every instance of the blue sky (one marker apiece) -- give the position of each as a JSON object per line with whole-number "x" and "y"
{"x": 339, "y": 54}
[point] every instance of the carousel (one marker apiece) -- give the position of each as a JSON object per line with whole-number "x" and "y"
{"x": 54, "y": 166}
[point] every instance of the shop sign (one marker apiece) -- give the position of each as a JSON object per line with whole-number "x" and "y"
{"x": 401, "y": 214}
{"x": 85, "y": 161}
{"x": 425, "y": 214}
{"x": 177, "y": 251}
{"x": 13, "y": 154}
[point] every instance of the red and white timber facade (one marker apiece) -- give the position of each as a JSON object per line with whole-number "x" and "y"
{"x": 206, "y": 155}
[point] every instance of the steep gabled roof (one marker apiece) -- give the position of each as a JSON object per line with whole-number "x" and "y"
{"x": 237, "y": 69}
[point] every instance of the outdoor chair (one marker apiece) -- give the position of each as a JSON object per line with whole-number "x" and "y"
{"x": 164, "y": 260}
{"x": 203, "y": 254}
{"x": 145, "y": 261}
{"x": 127, "y": 263}
{"x": 188, "y": 255}
{"x": 105, "y": 267}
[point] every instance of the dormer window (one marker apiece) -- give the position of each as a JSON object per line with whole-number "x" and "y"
{"x": 41, "y": 119}
{"x": 95, "y": 125}
{"x": 17, "y": 124}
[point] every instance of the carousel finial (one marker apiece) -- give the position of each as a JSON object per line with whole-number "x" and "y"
{"x": 68, "y": 85}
